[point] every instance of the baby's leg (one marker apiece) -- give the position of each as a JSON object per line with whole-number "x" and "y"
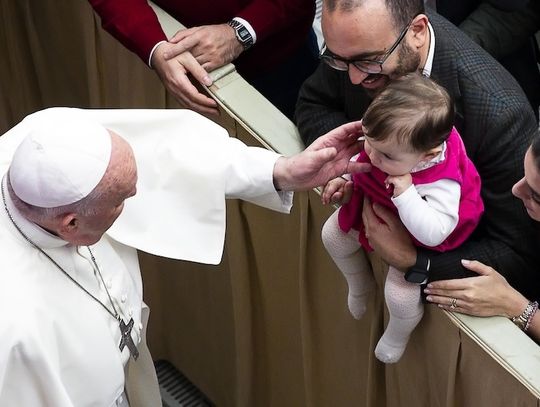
{"x": 405, "y": 309}
{"x": 351, "y": 260}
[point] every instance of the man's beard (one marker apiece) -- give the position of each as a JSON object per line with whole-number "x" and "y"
{"x": 408, "y": 61}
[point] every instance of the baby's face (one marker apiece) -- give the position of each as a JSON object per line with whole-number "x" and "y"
{"x": 392, "y": 157}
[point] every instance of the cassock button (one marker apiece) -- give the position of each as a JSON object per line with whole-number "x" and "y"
{"x": 123, "y": 298}
{"x": 130, "y": 312}
{"x": 109, "y": 283}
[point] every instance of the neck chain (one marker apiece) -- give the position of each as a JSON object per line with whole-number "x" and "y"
{"x": 125, "y": 329}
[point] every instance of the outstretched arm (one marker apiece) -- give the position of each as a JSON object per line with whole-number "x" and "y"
{"x": 327, "y": 158}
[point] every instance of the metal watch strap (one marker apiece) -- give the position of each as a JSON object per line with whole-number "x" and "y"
{"x": 242, "y": 33}
{"x": 523, "y": 320}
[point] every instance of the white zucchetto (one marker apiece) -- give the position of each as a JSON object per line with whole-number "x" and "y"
{"x": 62, "y": 158}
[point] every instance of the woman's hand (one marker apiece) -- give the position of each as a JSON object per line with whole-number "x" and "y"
{"x": 488, "y": 294}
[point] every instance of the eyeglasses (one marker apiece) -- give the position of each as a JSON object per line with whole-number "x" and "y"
{"x": 369, "y": 66}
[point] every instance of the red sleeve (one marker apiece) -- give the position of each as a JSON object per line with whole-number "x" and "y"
{"x": 268, "y": 16}
{"x": 132, "y": 22}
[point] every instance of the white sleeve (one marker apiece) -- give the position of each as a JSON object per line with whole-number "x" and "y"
{"x": 430, "y": 212}
{"x": 187, "y": 166}
{"x": 250, "y": 176}
{"x": 152, "y": 53}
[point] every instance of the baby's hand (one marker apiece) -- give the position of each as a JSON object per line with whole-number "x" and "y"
{"x": 337, "y": 190}
{"x": 400, "y": 183}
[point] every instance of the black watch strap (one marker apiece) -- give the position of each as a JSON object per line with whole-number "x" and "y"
{"x": 242, "y": 34}
{"x": 418, "y": 273}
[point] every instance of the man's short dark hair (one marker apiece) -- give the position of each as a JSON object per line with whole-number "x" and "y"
{"x": 402, "y": 11}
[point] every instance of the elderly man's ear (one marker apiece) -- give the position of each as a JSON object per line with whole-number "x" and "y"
{"x": 69, "y": 224}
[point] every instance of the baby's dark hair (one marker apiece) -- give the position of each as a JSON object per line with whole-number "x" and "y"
{"x": 415, "y": 109}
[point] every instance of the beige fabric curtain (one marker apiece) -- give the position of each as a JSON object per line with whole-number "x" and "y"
{"x": 268, "y": 326}
{"x": 54, "y": 53}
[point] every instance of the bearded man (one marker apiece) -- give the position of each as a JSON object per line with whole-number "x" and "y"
{"x": 371, "y": 42}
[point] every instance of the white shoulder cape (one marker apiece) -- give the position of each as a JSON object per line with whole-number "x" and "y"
{"x": 187, "y": 166}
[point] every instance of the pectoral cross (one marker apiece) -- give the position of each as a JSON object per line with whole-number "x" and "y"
{"x": 126, "y": 339}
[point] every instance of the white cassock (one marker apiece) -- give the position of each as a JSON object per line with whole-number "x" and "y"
{"x": 58, "y": 346}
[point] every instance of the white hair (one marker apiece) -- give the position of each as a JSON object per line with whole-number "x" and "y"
{"x": 85, "y": 207}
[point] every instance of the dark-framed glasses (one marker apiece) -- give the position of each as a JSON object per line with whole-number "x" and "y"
{"x": 369, "y": 66}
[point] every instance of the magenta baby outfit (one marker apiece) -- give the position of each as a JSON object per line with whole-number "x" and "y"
{"x": 456, "y": 166}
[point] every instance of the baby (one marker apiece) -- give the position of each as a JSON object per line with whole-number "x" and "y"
{"x": 419, "y": 170}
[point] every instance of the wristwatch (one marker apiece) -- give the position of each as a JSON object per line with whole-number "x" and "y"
{"x": 418, "y": 273}
{"x": 242, "y": 34}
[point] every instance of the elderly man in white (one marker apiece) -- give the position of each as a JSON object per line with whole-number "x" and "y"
{"x": 72, "y": 327}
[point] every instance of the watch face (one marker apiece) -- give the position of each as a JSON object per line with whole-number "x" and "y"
{"x": 243, "y": 33}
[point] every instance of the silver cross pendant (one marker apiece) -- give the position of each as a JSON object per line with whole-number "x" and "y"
{"x": 126, "y": 339}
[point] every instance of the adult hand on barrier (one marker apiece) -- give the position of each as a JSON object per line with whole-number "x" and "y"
{"x": 212, "y": 45}
{"x": 174, "y": 73}
{"x": 486, "y": 295}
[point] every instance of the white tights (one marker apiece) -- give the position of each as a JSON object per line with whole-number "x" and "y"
{"x": 351, "y": 260}
{"x": 402, "y": 297}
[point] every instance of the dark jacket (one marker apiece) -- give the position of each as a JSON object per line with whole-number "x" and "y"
{"x": 496, "y": 123}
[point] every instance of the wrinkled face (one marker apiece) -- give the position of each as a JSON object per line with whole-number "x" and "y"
{"x": 368, "y": 33}
{"x": 392, "y": 157}
{"x": 528, "y": 188}
{"x": 119, "y": 184}
{"x": 110, "y": 209}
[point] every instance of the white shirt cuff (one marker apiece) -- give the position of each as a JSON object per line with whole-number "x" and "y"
{"x": 152, "y": 52}
{"x": 248, "y": 27}
{"x": 405, "y": 196}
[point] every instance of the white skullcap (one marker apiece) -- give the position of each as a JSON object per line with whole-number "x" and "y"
{"x": 62, "y": 158}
